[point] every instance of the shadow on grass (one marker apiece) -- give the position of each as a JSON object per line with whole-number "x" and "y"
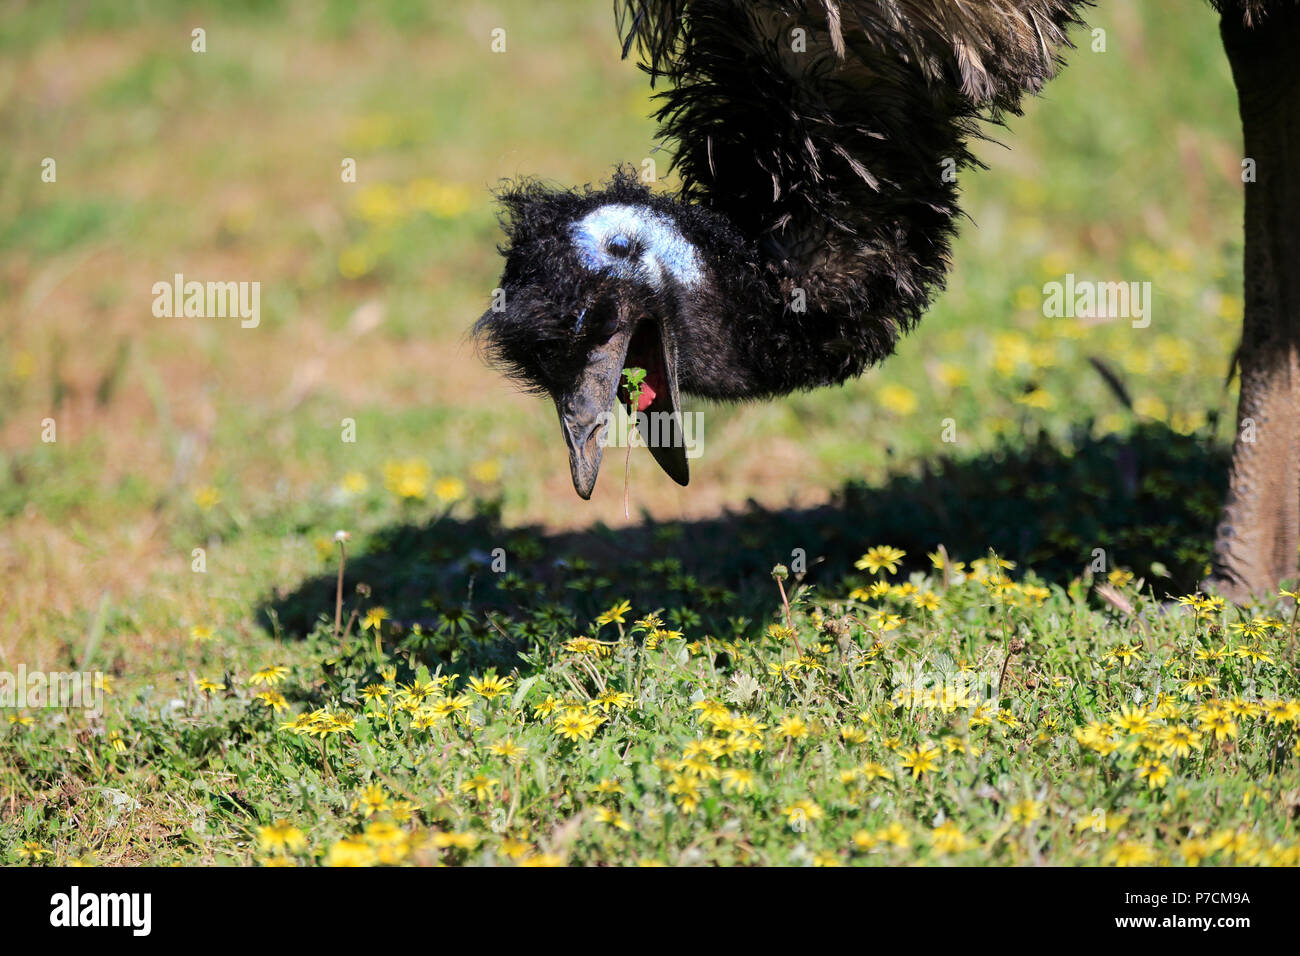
{"x": 1149, "y": 498}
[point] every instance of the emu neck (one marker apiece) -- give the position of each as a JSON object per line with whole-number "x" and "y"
{"x": 762, "y": 324}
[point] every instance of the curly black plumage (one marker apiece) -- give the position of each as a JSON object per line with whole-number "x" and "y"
{"x": 816, "y": 141}
{"x": 834, "y": 158}
{"x": 536, "y": 337}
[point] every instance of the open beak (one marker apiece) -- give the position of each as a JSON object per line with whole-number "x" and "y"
{"x": 586, "y": 410}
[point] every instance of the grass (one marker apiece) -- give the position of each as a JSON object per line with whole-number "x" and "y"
{"x": 954, "y": 717}
{"x": 193, "y": 443}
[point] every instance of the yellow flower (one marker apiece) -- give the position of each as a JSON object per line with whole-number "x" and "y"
{"x": 885, "y": 622}
{"x": 585, "y": 645}
{"x": 864, "y": 840}
{"x": 1219, "y": 724}
{"x": 793, "y": 727}
{"x": 374, "y": 619}
{"x": 487, "y": 471}
{"x": 339, "y": 724}
{"x": 575, "y": 726}
{"x": 281, "y": 836}
{"x": 442, "y": 200}
{"x": 270, "y": 676}
{"x": 547, "y": 707}
{"x": 207, "y": 497}
{"x": 449, "y": 489}
{"x": 1281, "y": 711}
{"x": 921, "y": 759}
{"x": 402, "y": 810}
{"x": 23, "y": 365}
{"x": 1155, "y": 772}
{"x": 372, "y": 800}
{"x": 351, "y": 851}
{"x": 480, "y": 785}
{"x": 881, "y": 556}
{"x": 1026, "y": 811}
{"x": 951, "y": 376}
{"x": 686, "y": 791}
{"x": 390, "y": 842}
{"x": 451, "y": 706}
{"x": 508, "y": 749}
{"x": 947, "y": 838}
{"x": 355, "y": 261}
{"x": 926, "y": 600}
{"x": 407, "y": 479}
{"x": 1125, "y": 652}
{"x": 612, "y": 817}
{"x": 616, "y": 614}
{"x": 874, "y": 771}
{"x": 895, "y": 835}
{"x": 1130, "y": 854}
{"x": 698, "y": 766}
{"x": 354, "y": 483}
{"x": 515, "y": 848}
{"x": 1035, "y": 398}
{"x": 938, "y": 562}
{"x": 273, "y": 699}
{"x": 378, "y": 203}
{"x": 737, "y": 780}
{"x": 1194, "y": 850}
{"x": 802, "y": 812}
{"x": 31, "y": 850}
{"x": 1131, "y": 720}
{"x": 1195, "y": 684}
{"x": 1256, "y": 627}
{"x": 615, "y": 699}
{"x": 459, "y": 841}
{"x": 1120, "y": 577}
{"x": 898, "y": 399}
{"x": 490, "y": 686}
{"x": 1180, "y": 741}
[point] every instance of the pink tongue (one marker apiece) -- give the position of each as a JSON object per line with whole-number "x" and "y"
{"x": 647, "y": 396}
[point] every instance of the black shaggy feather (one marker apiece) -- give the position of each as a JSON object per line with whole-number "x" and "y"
{"x": 538, "y": 339}
{"x": 814, "y": 184}
{"x": 1253, "y": 13}
{"x": 832, "y": 160}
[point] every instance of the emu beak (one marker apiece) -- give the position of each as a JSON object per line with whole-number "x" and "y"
{"x": 660, "y": 423}
{"x": 586, "y": 409}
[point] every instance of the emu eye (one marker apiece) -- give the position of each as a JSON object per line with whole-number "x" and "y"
{"x": 608, "y": 325}
{"x": 619, "y": 246}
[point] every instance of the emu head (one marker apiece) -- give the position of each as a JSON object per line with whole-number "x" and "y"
{"x": 596, "y": 282}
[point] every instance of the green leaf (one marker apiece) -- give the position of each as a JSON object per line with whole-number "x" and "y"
{"x": 522, "y": 691}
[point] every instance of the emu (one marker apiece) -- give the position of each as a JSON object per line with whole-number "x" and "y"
{"x": 813, "y": 225}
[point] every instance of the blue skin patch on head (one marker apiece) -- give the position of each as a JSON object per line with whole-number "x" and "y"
{"x": 633, "y": 242}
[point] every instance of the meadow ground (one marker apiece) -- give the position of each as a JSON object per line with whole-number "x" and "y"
{"x": 623, "y": 690}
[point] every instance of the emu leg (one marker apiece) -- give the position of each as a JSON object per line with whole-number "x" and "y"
{"x": 1255, "y": 543}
